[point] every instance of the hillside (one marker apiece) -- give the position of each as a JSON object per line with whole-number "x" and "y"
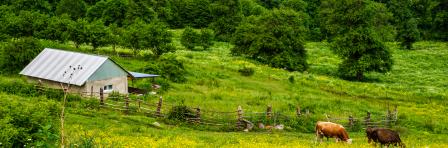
{"x": 415, "y": 85}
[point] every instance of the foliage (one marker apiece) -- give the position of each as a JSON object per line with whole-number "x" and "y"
{"x": 42, "y": 6}
{"x": 154, "y": 36}
{"x": 98, "y": 35}
{"x": 17, "y": 53}
{"x": 139, "y": 10}
{"x": 226, "y": 17}
{"x": 57, "y": 28}
{"x": 275, "y": 38}
{"x": 353, "y": 27}
{"x": 78, "y": 32}
{"x": 180, "y": 113}
{"x": 189, "y": 38}
{"x": 407, "y": 25}
{"x": 250, "y": 7}
{"x": 25, "y": 24}
{"x": 169, "y": 67}
{"x": 28, "y": 122}
{"x": 246, "y": 71}
{"x": 114, "y": 12}
{"x": 76, "y": 9}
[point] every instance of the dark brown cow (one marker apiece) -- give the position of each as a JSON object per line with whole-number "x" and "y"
{"x": 333, "y": 130}
{"x": 384, "y": 137}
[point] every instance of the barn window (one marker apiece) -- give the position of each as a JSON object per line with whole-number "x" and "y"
{"x": 108, "y": 87}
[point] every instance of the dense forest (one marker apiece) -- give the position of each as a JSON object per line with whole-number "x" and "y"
{"x": 269, "y": 31}
{"x": 321, "y": 54}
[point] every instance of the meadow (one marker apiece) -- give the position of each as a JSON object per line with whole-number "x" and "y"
{"x": 417, "y": 85}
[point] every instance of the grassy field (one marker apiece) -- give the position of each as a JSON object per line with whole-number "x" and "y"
{"x": 417, "y": 85}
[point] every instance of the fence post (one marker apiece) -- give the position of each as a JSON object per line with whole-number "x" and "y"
{"x": 395, "y": 113}
{"x": 269, "y": 112}
{"x": 307, "y": 112}
{"x": 101, "y": 96}
{"x": 240, "y": 117}
{"x": 91, "y": 92}
{"x": 328, "y": 118}
{"x": 159, "y": 107}
{"x": 298, "y": 111}
{"x": 350, "y": 121}
{"x": 367, "y": 120}
{"x": 198, "y": 115}
{"x": 388, "y": 116}
{"x": 126, "y": 103}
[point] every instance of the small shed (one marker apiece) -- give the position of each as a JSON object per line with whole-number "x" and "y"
{"x": 84, "y": 72}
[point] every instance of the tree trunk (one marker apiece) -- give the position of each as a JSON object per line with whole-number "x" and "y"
{"x": 360, "y": 75}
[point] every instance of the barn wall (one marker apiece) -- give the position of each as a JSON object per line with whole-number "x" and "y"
{"x": 119, "y": 84}
{"x": 107, "y": 71}
{"x": 56, "y": 85}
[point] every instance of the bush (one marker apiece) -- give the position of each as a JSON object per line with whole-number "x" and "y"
{"x": 31, "y": 122}
{"x": 246, "y": 71}
{"x": 189, "y": 38}
{"x": 180, "y": 113}
{"x": 169, "y": 67}
{"x": 17, "y": 53}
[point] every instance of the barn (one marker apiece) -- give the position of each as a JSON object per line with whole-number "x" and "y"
{"x": 84, "y": 72}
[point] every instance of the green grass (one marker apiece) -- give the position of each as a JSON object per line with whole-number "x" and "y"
{"x": 417, "y": 84}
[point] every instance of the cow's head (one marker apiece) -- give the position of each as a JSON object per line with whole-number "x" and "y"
{"x": 349, "y": 141}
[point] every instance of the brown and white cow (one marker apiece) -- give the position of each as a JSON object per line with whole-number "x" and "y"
{"x": 384, "y": 137}
{"x": 331, "y": 130}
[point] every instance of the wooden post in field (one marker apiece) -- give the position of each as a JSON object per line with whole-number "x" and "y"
{"x": 388, "y": 116}
{"x": 307, "y": 112}
{"x": 198, "y": 115}
{"x": 298, "y": 113}
{"x": 159, "y": 107}
{"x": 101, "y": 96}
{"x": 269, "y": 112}
{"x": 328, "y": 117}
{"x": 126, "y": 103}
{"x": 367, "y": 120}
{"x": 350, "y": 121}
{"x": 91, "y": 92}
{"x": 239, "y": 122}
{"x": 395, "y": 113}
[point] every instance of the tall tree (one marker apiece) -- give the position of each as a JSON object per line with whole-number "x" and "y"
{"x": 139, "y": 10}
{"x": 404, "y": 21}
{"x": 353, "y": 27}
{"x": 78, "y": 32}
{"x": 17, "y": 53}
{"x": 98, "y": 34}
{"x": 115, "y": 12}
{"x": 96, "y": 11}
{"x": 226, "y": 16}
{"x": 275, "y": 38}
{"x": 74, "y": 8}
{"x": 57, "y": 28}
{"x": 154, "y": 36}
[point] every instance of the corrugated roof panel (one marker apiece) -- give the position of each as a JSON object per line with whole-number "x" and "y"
{"x": 51, "y": 64}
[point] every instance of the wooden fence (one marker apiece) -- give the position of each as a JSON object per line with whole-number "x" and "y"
{"x": 238, "y": 119}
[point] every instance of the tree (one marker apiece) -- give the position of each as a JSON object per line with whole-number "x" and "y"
{"x": 26, "y": 23}
{"x": 154, "y": 36}
{"x": 57, "y": 29}
{"x": 139, "y": 10}
{"x": 353, "y": 27}
{"x": 226, "y": 15}
{"x": 17, "y": 53}
{"x": 406, "y": 24}
{"x": 275, "y": 38}
{"x": 98, "y": 34}
{"x": 206, "y": 38}
{"x": 115, "y": 12}
{"x": 96, "y": 11}
{"x": 115, "y": 35}
{"x": 74, "y": 8}
{"x": 189, "y": 38}
{"x": 42, "y": 6}
{"x": 77, "y": 31}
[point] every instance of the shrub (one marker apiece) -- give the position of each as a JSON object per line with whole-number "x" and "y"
{"x": 180, "y": 113}
{"x": 17, "y": 53}
{"x": 169, "y": 67}
{"x": 206, "y": 38}
{"x": 189, "y": 38}
{"x": 30, "y": 122}
{"x": 246, "y": 71}
{"x": 114, "y": 95}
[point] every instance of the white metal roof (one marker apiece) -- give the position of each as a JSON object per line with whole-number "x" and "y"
{"x": 51, "y": 64}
